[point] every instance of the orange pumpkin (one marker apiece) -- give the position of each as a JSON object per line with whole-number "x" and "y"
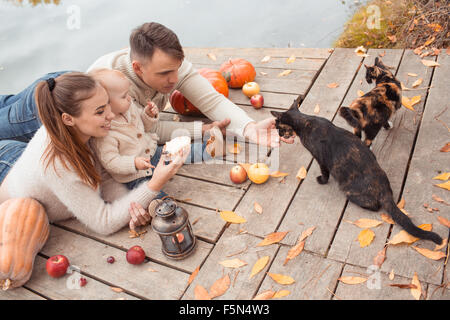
{"x": 24, "y": 230}
{"x": 237, "y": 72}
{"x": 183, "y": 106}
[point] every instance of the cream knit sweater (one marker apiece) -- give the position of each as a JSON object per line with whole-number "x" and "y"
{"x": 130, "y": 137}
{"x": 192, "y": 85}
{"x": 64, "y": 195}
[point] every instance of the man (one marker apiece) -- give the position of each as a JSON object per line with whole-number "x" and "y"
{"x": 156, "y": 66}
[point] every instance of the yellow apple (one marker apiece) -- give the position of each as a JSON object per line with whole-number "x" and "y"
{"x": 258, "y": 173}
{"x": 250, "y": 89}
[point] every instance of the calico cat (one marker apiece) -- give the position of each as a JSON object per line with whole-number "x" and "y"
{"x": 372, "y": 111}
{"x": 344, "y": 156}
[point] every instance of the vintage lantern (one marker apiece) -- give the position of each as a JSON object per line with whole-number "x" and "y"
{"x": 172, "y": 225}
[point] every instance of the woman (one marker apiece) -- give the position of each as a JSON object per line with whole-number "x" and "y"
{"x": 58, "y": 168}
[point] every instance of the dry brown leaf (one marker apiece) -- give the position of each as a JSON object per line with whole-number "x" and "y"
{"x": 360, "y": 93}
{"x": 291, "y": 59}
{"x": 439, "y": 199}
{"x": 219, "y": 287}
{"x": 387, "y": 218}
{"x": 305, "y": 234}
{"x": 333, "y": 85}
{"x": 231, "y": 216}
{"x": 445, "y": 185}
{"x": 429, "y": 41}
{"x": 263, "y": 73}
{"x": 266, "y": 59}
{"x": 365, "y": 223}
{"x": 416, "y": 292}
{"x": 281, "y": 293}
{"x": 412, "y": 74}
{"x": 406, "y": 102}
{"x": 234, "y": 148}
{"x": 380, "y": 257}
{"x": 284, "y": 73}
{"x": 430, "y": 254}
{"x": 391, "y": 275}
{"x": 115, "y": 289}
{"x": 446, "y": 148}
{"x": 278, "y": 174}
{"x": 392, "y": 38}
{"x": 259, "y": 265}
{"x": 404, "y": 286}
{"x": 443, "y": 176}
{"x": 294, "y": 251}
{"x": 365, "y": 237}
{"x": 444, "y": 221}
{"x": 266, "y": 295}
{"x": 401, "y": 204}
{"x": 258, "y": 208}
{"x": 281, "y": 278}
{"x": 272, "y": 238}
{"x": 352, "y": 280}
{"x": 417, "y": 83}
{"x": 317, "y": 109}
{"x": 212, "y": 56}
{"x": 301, "y": 174}
{"x": 430, "y": 63}
{"x": 193, "y": 275}
{"x": 233, "y": 263}
{"x": 200, "y": 293}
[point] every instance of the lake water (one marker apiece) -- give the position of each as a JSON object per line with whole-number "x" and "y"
{"x": 37, "y": 37}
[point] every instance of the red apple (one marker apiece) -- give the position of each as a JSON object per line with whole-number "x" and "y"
{"x": 56, "y": 266}
{"x": 250, "y": 89}
{"x": 135, "y": 255}
{"x": 238, "y": 174}
{"x": 257, "y": 101}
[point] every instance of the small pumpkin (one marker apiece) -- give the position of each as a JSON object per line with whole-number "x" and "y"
{"x": 184, "y": 106}
{"x": 24, "y": 229}
{"x": 237, "y": 72}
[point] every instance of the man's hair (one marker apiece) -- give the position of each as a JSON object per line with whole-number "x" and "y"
{"x": 149, "y": 36}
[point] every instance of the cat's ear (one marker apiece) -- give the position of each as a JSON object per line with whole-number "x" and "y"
{"x": 380, "y": 63}
{"x": 295, "y": 105}
{"x": 276, "y": 114}
{"x": 365, "y": 65}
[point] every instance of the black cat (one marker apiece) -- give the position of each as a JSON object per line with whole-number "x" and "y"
{"x": 344, "y": 156}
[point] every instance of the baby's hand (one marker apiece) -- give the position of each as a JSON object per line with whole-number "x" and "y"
{"x": 151, "y": 109}
{"x": 142, "y": 163}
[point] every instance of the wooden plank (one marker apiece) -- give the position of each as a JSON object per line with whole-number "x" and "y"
{"x": 67, "y": 287}
{"x": 427, "y": 162}
{"x": 20, "y": 293}
{"x": 271, "y": 99}
{"x": 233, "y": 245}
{"x": 275, "y": 197}
{"x": 376, "y": 288}
{"x": 315, "y": 53}
{"x": 90, "y": 256}
{"x": 438, "y": 293}
{"x": 313, "y": 276}
{"x": 151, "y": 243}
{"x": 392, "y": 149}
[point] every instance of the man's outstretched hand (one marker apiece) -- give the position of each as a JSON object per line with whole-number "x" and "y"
{"x": 264, "y": 133}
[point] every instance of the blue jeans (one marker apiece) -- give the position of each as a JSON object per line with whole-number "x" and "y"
{"x": 197, "y": 154}
{"x": 19, "y": 118}
{"x": 10, "y": 151}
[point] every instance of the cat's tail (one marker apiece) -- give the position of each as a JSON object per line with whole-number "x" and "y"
{"x": 350, "y": 116}
{"x": 405, "y": 222}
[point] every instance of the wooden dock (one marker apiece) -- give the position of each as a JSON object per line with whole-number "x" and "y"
{"x": 409, "y": 153}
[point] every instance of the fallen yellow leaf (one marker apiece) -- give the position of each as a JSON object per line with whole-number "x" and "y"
{"x": 193, "y": 275}
{"x": 430, "y": 254}
{"x": 265, "y": 59}
{"x": 430, "y": 63}
{"x": 445, "y": 185}
{"x": 444, "y": 221}
{"x": 259, "y": 265}
{"x": 366, "y": 223}
{"x": 219, "y": 287}
{"x": 291, "y": 59}
{"x": 200, "y": 293}
{"x": 365, "y": 237}
{"x": 280, "y": 278}
{"x": 284, "y": 73}
{"x": 317, "y": 109}
{"x": 387, "y": 218}
{"x": 294, "y": 251}
{"x": 360, "y": 93}
{"x": 305, "y": 234}
{"x": 265, "y": 295}
{"x": 278, "y": 174}
{"x": 443, "y": 176}
{"x": 281, "y": 293}
{"x": 405, "y": 237}
{"x": 417, "y": 83}
{"x": 401, "y": 204}
{"x": 412, "y": 74}
{"x": 446, "y": 148}
{"x": 301, "y": 174}
{"x": 272, "y": 238}
{"x": 442, "y": 245}
{"x": 417, "y": 292}
{"x": 333, "y": 85}
{"x": 230, "y": 216}
{"x": 258, "y": 208}
{"x": 233, "y": 263}
{"x": 212, "y": 56}
{"x": 352, "y": 280}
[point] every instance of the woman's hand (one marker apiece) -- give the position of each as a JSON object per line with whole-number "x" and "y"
{"x": 139, "y": 216}
{"x": 163, "y": 172}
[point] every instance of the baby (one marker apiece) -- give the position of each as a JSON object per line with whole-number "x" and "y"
{"x": 126, "y": 151}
